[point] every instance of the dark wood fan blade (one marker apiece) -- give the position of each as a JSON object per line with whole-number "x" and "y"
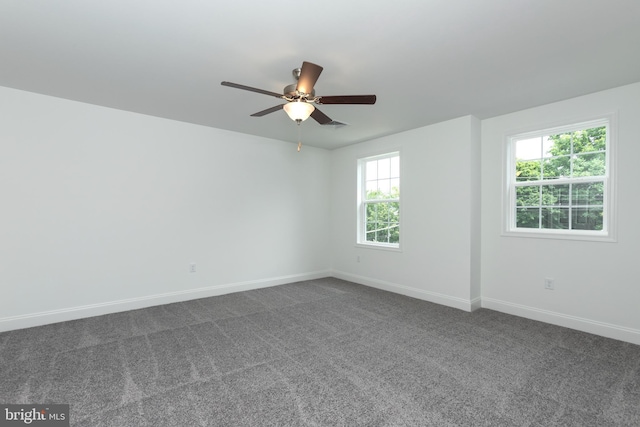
{"x": 348, "y": 99}
{"x": 267, "y": 111}
{"x": 252, "y": 89}
{"x": 320, "y": 117}
{"x": 309, "y": 74}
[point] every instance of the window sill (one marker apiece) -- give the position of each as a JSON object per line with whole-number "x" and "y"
{"x": 379, "y": 246}
{"x": 550, "y": 234}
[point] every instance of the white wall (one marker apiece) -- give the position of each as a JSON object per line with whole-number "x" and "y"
{"x": 103, "y": 210}
{"x": 439, "y": 226}
{"x": 597, "y": 284}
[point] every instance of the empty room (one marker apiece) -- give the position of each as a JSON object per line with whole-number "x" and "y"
{"x": 364, "y": 213}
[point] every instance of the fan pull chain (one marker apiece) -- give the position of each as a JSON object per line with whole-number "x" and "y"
{"x": 299, "y": 137}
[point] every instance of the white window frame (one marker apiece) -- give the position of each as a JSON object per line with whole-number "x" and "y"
{"x": 362, "y": 202}
{"x": 608, "y": 233}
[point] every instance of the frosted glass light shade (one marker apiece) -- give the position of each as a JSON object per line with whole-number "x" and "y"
{"x": 299, "y": 110}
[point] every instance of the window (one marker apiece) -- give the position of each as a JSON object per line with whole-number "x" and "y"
{"x": 559, "y": 182}
{"x": 379, "y": 200}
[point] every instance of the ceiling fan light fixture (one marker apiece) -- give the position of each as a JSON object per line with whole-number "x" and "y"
{"x": 299, "y": 110}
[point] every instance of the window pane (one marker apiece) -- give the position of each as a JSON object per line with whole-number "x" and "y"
{"x": 555, "y": 195}
{"x": 372, "y": 188}
{"x": 528, "y": 196}
{"x": 547, "y": 145}
{"x": 556, "y": 167}
{"x": 383, "y": 212}
{"x": 394, "y": 210}
{"x": 592, "y": 164}
{"x": 384, "y": 188}
{"x": 588, "y": 194}
{"x": 587, "y": 218}
{"x": 377, "y": 190}
{"x": 528, "y": 217}
{"x": 371, "y": 170}
{"x": 371, "y": 212}
{"x": 395, "y": 187}
{"x": 371, "y": 232}
{"x": 529, "y": 149}
{"x": 384, "y": 168}
{"x": 394, "y": 233}
{"x": 528, "y": 170}
{"x": 589, "y": 140}
{"x": 377, "y": 234}
{"x": 560, "y": 144}
{"x": 555, "y": 218}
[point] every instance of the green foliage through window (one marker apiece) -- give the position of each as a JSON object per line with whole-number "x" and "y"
{"x": 560, "y": 180}
{"x": 383, "y": 217}
{"x": 380, "y": 200}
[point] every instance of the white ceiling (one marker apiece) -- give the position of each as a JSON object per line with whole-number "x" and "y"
{"x": 426, "y": 60}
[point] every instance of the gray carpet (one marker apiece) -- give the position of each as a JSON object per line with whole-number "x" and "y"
{"x": 321, "y": 353}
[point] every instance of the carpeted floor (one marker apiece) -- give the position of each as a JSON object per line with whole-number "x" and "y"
{"x": 321, "y": 353}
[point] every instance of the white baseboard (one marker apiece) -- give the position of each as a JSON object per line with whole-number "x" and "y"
{"x": 581, "y": 324}
{"x": 438, "y": 298}
{"x": 72, "y": 313}
{"x": 476, "y": 303}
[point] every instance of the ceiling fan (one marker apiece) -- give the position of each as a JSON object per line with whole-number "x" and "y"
{"x": 301, "y": 96}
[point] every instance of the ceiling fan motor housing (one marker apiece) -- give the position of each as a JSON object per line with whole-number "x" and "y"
{"x": 291, "y": 92}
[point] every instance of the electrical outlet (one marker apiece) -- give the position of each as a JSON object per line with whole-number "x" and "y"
{"x": 549, "y": 283}
{"x": 192, "y": 267}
